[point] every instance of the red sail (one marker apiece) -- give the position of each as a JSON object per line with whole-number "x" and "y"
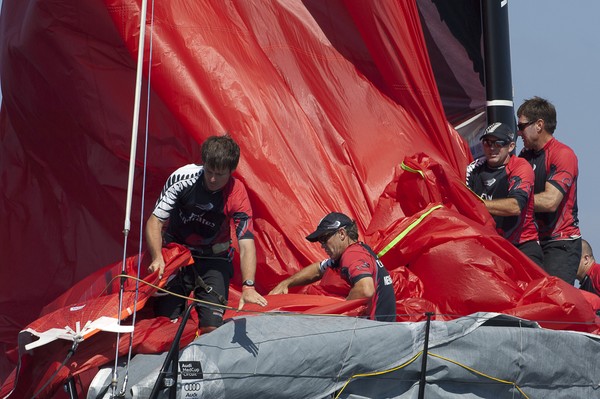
{"x": 335, "y": 107}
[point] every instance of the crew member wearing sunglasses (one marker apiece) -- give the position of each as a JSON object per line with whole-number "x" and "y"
{"x": 354, "y": 261}
{"x": 505, "y": 184}
{"x": 556, "y": 171}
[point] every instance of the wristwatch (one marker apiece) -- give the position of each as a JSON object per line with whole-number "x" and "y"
{"x": 248, "y": 283}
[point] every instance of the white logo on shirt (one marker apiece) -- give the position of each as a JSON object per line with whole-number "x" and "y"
{"x": 195, "y": 218}
{"x": 205, "y": 207}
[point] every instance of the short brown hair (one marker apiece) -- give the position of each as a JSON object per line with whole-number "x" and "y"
{"x": 220, "y": 152}
{"x": 352, "y": 231}
{"x": 539, "y": 108}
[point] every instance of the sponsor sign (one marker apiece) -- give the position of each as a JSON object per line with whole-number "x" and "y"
{"x": 190, "y": 370}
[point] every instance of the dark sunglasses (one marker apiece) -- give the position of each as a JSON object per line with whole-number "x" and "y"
{"x": 495, "y": 144}
{"x": 323, "y": 239}
{"x": 522, "y": 126}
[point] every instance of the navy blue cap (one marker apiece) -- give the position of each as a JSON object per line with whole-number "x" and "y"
{"x": 499, "y": 130}
{"x": 330, "y": 223}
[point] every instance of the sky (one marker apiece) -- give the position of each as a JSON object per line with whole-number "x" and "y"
{"x": 555, "y": 54}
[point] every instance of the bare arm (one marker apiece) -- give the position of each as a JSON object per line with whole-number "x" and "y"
{"x": 503, "y": 207}
{"x": 248, "y": 269}
{"x": 364, "y": 288}
{"x": 309, "y": 274}
{"x": 247, "y": 259}
{"x": 548, "y": 200}
{"x": 154, "y": 242}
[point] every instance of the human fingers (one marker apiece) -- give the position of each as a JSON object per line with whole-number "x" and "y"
{"x": 259, "y": 300}
{"x": 279, "y": 289}
{"x": 241, "y": 304}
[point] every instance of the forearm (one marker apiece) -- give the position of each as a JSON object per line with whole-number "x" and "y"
{"x": 308, "y": 275}
{"x": 548, "y": 200}
{"x": 247, "y": 259}
{"x": 154, "y": 237}
{"x": 544, "y": 202}
{"x": 248, "y": 269}
{"x": 364, "y": 288}
{"x": 503, "y": 207}
{"x": 154, "y": 243}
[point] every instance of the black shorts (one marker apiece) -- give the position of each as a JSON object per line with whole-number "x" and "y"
{"x": 216, "y": 273}
{"x": 561, "y": 258}
{"x": 533, "y": 250}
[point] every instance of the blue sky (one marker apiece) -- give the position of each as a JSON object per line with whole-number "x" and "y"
{"x": 555, "y": 54}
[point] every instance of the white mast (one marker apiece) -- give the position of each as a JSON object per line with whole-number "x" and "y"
{"x": 130, "y": 179}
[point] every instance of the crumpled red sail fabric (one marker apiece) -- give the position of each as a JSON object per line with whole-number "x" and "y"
{"x": 326, "y": 99}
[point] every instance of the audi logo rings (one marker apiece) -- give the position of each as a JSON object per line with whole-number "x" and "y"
{"x": 192, "y": 386}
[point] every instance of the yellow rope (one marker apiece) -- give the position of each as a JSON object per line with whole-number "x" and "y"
{"x": 479, "y": 372}
{"x": 270, "y": 313}
{"x": 376, "y": 373}
{"x": 169, "y": 292}
{"x": 415, "y": 357}
{"x": 471, "y": 190}
{"x": 411, "y": 170}
{"x": 403, "y": 234}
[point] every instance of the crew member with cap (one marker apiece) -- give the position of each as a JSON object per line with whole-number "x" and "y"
{"x": 505, "y": 183}
{"x": 354, "y": 260}
{"x": 555, "y": 192}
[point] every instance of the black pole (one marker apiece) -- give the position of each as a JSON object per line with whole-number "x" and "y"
{"x": 422, "y": 382}
{"x": 70, "y": 388}
{"x": 498, "y": 72}
{"x": 167, "y": 377}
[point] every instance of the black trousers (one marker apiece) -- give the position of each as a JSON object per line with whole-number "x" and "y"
{"x": 216, "y": 274}
{"x": 533, "y": 250}
{"x": 561, "y": 258}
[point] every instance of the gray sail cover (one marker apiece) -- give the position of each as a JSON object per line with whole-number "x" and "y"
{"x": 483, "y": 355}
